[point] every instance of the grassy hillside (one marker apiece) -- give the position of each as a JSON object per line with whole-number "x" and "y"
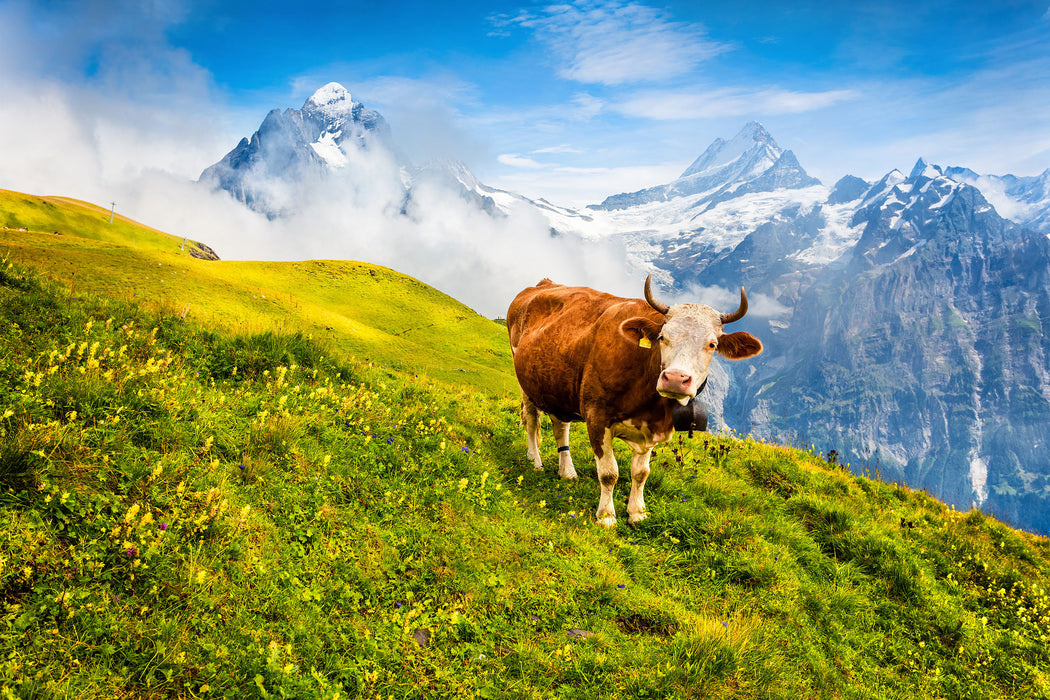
{"x": 197, "y": 510}
{"x": 356, "y": 309}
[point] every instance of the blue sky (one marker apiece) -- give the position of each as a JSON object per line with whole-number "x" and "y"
{"x": 569, "y": 101}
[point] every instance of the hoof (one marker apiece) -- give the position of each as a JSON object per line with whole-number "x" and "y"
{"x": 608, "y": 522}
{"x": 636, "y": 520}
{"x": 537, "y": 468}
{"x": 571, "y": 476}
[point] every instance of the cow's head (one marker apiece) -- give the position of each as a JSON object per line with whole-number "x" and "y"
{"x": 689, "y": 337}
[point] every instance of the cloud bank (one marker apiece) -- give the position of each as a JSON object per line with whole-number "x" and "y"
{"x": 615, "y": 44}
{"x": 98, "y": 145}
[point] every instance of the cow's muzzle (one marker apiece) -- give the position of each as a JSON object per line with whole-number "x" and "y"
{"x": 677, "y": 385}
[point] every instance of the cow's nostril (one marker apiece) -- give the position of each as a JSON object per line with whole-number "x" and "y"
{"x": 679, "y": 378}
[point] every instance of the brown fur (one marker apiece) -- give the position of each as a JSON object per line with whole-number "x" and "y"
{"x": 736, "y": 346}
{"x": 576, "y": 356}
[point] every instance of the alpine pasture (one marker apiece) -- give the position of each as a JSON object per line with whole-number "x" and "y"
{"x": 253, "y": 479}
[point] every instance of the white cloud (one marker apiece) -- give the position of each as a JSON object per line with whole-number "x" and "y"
{"x": 759, "y": 305}
{"x": 562, "y": 148}
{"x": 723, "y": 102}
{"x": 516, "y": 161}
{"x": 585, "y": 106}
{"x": 580, "y": 186}
{"x": 613, "y": 43}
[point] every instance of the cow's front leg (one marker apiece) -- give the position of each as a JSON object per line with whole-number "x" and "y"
{"x": 566, "y": 470}
{"x": 639, "y": 473}
{"x": 530, "y": 416}
{"x": 608, "y": 472}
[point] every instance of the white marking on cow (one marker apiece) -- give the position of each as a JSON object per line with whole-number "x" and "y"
{"x": 566, "y": 469}
{"x": 530, "y": 416}
{"x": 687, "y": 343}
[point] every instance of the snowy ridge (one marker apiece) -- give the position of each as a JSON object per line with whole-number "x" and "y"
{"x": 721, "y": 153}
{"x": 1023, "y": 200}
{"x": 327, "y": 148}
{"x": 751, "y": 161}
{"x": 333, "y": 102}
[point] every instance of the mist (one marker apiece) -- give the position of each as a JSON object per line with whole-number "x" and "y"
{"x": 66, "y": 141}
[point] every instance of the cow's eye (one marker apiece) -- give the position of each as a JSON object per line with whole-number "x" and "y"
{"x": 660, "y": 337}
{"x": 712, "y": 345}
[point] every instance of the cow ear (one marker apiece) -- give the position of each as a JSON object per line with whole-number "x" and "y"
{"x": 737, "y": 346}
{"x": 640, "y": 330}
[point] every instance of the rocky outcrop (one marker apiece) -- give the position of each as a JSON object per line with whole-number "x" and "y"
{"x": 920, "y": 354}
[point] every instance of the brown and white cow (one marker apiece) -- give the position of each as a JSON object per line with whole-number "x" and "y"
{"x": 620, "y": 366}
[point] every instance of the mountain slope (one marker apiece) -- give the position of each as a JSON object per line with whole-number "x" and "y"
{"x": 333, "y": 300}
{"x": 172, "y": 527}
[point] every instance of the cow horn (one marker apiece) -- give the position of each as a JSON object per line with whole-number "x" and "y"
{"x": 655, "y": 303}
{"x": 739, "y": 313}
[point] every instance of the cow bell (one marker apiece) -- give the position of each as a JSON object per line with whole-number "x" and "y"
{"x": 692, "y": 416}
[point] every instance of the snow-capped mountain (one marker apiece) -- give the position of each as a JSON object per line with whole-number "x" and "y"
{"x": 732, "y": 188}
{"x": 750, "y": 162}
{"x": 297, "y": 147}
{"x": 910, "y": 337}
{"x": 336, "y": 137}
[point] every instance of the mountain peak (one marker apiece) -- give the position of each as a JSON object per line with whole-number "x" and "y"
{"x": 755, "y": 132}
{"x": 327, "y": 94}
{"x": 751, "y": 139}
{"x": 924, "y": 169}
{"x": 331, "y": 100}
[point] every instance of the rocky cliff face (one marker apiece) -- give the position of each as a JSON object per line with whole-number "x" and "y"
{"x": 918, "y": 353}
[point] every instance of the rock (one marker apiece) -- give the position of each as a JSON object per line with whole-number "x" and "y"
{"x": 421, "y": 636}
{"x": 202, "y": 252}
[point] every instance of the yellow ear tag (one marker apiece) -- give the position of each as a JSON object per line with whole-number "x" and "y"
{"x": 643, "y": 342}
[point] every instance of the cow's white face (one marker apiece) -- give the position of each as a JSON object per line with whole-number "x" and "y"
{"x": 687, "y": 341}
{"x": 690, "y": 336}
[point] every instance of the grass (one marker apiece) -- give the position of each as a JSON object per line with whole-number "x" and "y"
{"x": 193, "y": 510}
{"x": 358, "y": 309}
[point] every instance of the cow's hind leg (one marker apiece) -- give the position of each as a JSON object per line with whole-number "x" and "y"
{"x": 608, "y": 473}
{"x": 639, "y": 473}
{"x": 530, "y": 416}
{"x": 566, "y": 470}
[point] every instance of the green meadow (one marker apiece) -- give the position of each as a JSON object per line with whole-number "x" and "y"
{"x": 308, "y": 480}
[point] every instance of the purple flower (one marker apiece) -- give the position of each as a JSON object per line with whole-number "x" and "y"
{"x": 466, "y": 449}
{"x": 241, "y": 467}
{"x": 397, "y": 605}
{"x": 621, "y": 586}
{"x": 131, "y": 551}
{"x": 163, "y": 526}
{"x": 390, "y": 441}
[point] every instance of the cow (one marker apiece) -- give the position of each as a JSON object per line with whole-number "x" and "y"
{"x": 620, "y": 366}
